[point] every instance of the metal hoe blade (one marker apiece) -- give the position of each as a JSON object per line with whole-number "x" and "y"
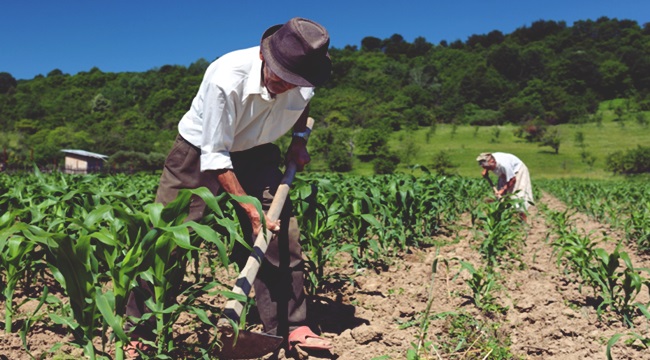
{"x": 248, "y": 345}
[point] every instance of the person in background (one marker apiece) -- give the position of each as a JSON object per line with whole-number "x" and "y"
{"x": 513, "y": 177}
{"x": 248, "y": 99}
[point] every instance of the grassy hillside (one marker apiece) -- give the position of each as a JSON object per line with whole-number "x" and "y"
{"x": 464, "y": 143}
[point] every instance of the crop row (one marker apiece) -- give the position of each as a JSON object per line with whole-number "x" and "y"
{"x": 78, "y": 245}
{"x": 623, "y": 204}
{"x": 614, "y": 279}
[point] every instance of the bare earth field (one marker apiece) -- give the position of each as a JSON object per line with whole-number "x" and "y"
{"x": 547, "y": 315}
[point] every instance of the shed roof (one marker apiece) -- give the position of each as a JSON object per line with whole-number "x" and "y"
{"x": 85, "y": 153}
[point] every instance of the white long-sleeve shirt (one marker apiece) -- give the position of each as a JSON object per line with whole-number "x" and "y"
{"x": 233, "y": 110}
{"x": 507, "y": 165}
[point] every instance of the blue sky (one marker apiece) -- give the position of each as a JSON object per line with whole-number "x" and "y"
{"x": 138, "y": 35}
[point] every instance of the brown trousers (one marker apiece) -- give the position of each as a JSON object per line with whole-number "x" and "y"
{"x": 279, "y": 293}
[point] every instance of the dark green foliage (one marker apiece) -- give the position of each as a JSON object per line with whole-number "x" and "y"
{"x": 551, "y": 138}
{"x": 633, "y": 161}
{"x": 133, "y": 161}
{"x": 385, "y": 163}
{"x": 7, "y": 82}
{"x": 334, "y": 145}
{"x": 372, "y": 141}
{"x": 443, "y": 165}
{"x": 532, "y": 131}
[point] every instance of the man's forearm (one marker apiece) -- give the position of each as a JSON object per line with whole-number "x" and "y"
{"x": 510, "y": 184}
{"x": 229, "y": 182}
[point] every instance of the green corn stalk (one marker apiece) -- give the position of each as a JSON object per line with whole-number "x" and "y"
{"x": 644, "y": 340}
{"x": 481, "y": 282}
{"x": 636, "y": 227}
{"x": 33, "y": 318}
{"x": 618, "y": 288}
{"x": 162, "y": 264}
{"x": 578, "y": 250}
{"x": 501, "y": 234}
{"x": 75, "y": 268}
{"x": 318, "y": 225}
{"x": 15, "y": 260}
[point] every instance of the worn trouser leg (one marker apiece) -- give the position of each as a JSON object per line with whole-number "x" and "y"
{"x": 523, "y": 187}
{"x": 279, "y": 293}
{"x": 181, "y": 171}
{"x": 279, "y": 285}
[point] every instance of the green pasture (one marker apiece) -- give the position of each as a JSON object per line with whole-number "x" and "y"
{"x": 463, "y": 143}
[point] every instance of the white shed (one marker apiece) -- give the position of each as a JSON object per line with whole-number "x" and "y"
{"x": 82, "y": 162}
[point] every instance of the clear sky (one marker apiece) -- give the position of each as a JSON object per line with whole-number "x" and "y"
{"x": 38, "y": 36}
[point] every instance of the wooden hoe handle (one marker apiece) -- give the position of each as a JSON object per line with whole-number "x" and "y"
{"x": 244, "y": 283}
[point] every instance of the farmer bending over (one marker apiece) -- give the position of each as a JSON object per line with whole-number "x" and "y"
{"x": 248, "y": 99}
{"x": 513, "y": 177}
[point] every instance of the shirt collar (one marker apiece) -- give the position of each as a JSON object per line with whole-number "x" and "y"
{"x": 254, "y": 83}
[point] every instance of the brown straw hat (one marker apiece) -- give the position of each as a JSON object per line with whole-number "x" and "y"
{"x": 297, "y": 52}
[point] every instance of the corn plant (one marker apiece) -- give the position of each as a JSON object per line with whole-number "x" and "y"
{"x": 359, "y": 219}
{"x": 15, "y": 260}
{"x": 92, "y": 233}
{"x": 617, "y": 284}
{"x": 623, "y": 204}
{"x": 318, "y": 225}
{"x": 636, "y": 226}
{"x": 618, "y": 288}
{"x": 482, "y": 282}
{"x": 560, "y": 221}
{"x": 164, "y": 247}
{"x": 502, "y": 237}
{"x": 643, "y": 340}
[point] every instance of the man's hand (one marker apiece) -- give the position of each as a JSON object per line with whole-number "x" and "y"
{"x": 230, "y": 184}
{"x": 298, "y": 153}
{"x": 256, "y": 221}
{"x": 484, "y": 173}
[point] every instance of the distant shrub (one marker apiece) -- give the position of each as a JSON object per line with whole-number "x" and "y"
{"x": 133, "y": 161}
{"x": 339, "y": 159}
{"x": 443, "y": 165}
{"x": 633, "y": 161}
{"x": 531, "y": 131}
{"x": 385, "y": 163}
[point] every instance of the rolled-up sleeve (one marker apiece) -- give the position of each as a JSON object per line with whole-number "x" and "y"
{"x": 218, "y": 129}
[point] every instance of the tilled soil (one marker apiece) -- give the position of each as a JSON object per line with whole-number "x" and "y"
{"x": 546, "y": 316}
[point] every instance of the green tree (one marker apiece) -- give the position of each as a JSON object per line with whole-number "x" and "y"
{"x": 159, "y": 107}
{"x": 385, "y": 163}
{"x": 443, "y": 165}
{"x": 506, "y": 59}
{"x": 371, "y": 142}
{"x": 615, "y": 79}
{"x": 7, "y": 82}
{"x": 633, "y": 161}
{"x": 552, "y": 138}
{"x": 371, "y": 43}
{"x": 47, "y": 144}
{"x": 333, "y": 144}
{"x": 100, "y": 104}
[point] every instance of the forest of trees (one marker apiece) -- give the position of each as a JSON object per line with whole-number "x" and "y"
{"x": 547, "y": 73}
